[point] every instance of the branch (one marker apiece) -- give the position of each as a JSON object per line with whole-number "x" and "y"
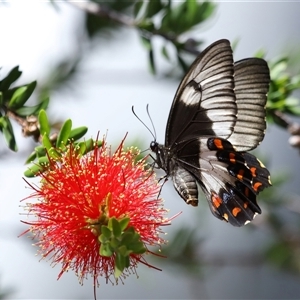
{"x": 104, "y": 12}
{"x": 292, "y": 127}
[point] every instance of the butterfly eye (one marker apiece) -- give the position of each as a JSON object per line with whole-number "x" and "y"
{"x": 154, "y": 146}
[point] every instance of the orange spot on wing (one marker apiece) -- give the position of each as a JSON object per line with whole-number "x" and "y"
{"x": 216, "y": 200}
{"x": 253, "y": 171}
{"x": 246, "y": 204}
{"x": 232, "y": 157}
{"x": 218, "y": 143}
{"x": 240, "y": 175}
{"x": 246, "y": 192}
{"x": 257, "y": 185}
{"x": 235, "y": 211}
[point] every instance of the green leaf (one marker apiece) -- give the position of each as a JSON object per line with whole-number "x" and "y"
{"x": 151, "y": 61}
{"x": 36, "y": 168}
{"x": 33, "y": 170}
{"x": 40, "y": 150}
{"x": 32, "y": 110}
{"x": 64, "y": 134}
{"x": 31, "y": 157}
{"x": 46, "y": 142}
{"x": 153, "y": 8}
{"x": 13, "y": 75}
{"x": 165, "y": 52}
{"x": 146, "y": 43}
{"x": 44, "y": 124}
{"x": 182, "y": 63}
{"x": 137, "y": 7}
{"x": 43, "y": 161}
{"x": 8, "y": 132}
{"x": 1, "y": 99}
{"x": 78, "y": 133}
{"x": 21, "y": 95}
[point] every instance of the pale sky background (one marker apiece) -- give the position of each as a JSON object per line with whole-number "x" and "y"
{"x": 112, "y": 79}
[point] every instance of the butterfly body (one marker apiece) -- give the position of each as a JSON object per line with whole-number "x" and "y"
{"x": 218, "y": 114}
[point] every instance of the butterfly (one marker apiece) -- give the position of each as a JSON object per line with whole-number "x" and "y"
{"x": 217, "y": 115}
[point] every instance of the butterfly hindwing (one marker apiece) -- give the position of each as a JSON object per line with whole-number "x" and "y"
{"x": 251, "y": 85}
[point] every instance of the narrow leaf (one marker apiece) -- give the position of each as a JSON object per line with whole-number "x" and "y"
{"x": 21, "y": 95}
{"x": 46, "y": 142}
{"x": 78, "y": 133}
{"x": 32, "y": 110}
{"x": 13, "y": 75}
{"x": 64, "y": 133}
{"x": 44, "y": 124}
{"x": 8, "y": 132}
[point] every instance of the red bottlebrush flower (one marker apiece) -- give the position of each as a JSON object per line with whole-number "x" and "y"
{"x": 97, "y": 214}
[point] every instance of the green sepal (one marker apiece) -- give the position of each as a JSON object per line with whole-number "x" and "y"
{"x": 64, "y": 134}
{"x": 7, "y": 129}
{"x": 114, "y": 226}
{"x": 105, "y": 232}
{"x": 13, "y": 75}
{"x": 44, "y": 123}
{"x": 105, "y": 250}
{"x": 78, "y": 133}
{"x": 120, "y": 263}
{"x": 124, "y": 223}
{"x": 21, "y": 95}
{"x": 32, "y": 110}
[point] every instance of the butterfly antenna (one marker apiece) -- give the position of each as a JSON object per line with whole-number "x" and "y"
{"x": 147, "y": 108}
{"x": 154, "y": 135}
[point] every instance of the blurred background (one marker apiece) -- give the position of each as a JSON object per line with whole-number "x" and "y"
{"x": 94, "y": 74}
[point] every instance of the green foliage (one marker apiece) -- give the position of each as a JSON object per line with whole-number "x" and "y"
{"x": 12, "y": 105}
{"x": 171, "y": 22}
{"x": 280, "y": 96}
{"x": 97, "y": 25}
{"x": 53, "y": 147}
{"x": 6, "y": 128}
{"x": 120, "y": 240}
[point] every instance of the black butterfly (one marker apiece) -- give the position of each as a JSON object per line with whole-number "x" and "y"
{"x": 217, "y": 114}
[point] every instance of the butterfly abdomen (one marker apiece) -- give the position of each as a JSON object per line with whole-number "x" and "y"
{"x": 185, "y": 184}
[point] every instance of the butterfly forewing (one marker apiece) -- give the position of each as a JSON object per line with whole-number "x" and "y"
{"x": 204, "y": 103}
{"x": 218, "y": 112}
